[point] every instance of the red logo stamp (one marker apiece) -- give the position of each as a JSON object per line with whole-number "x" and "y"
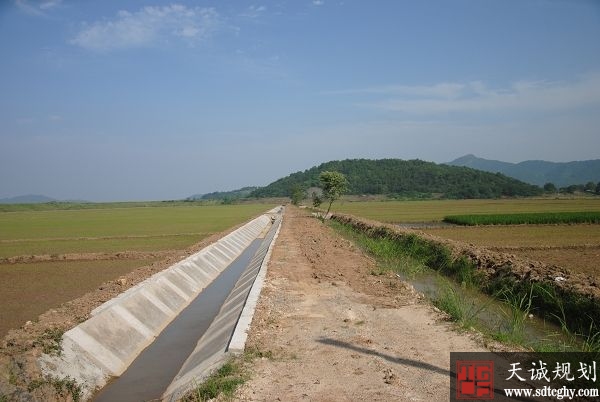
{"x": 474, "y": 379}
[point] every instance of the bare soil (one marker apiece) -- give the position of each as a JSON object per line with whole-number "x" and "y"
{"x": 21, "y": 347}
{"x": 575, "y": 247}
{"x": 583, "y": 259}
{"x": 328, "y": 330}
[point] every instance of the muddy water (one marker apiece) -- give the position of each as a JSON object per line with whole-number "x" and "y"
{"x": 488, "y": 312}
{"x": 154, "y": 369}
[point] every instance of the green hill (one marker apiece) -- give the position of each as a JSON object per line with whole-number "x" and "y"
{"x": 400, "y": 177}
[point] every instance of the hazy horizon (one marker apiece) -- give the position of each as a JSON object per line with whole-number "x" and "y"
{"x": 159, "y": 100}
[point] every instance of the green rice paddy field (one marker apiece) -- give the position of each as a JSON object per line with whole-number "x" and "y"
{"x": 108, "y": 229}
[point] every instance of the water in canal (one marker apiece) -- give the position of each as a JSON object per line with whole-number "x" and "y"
{"x": 155, "y": 368}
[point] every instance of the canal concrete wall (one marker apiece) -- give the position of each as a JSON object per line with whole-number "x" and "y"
{"x": 228, "y": 332}
{"x": 117, "y": 331}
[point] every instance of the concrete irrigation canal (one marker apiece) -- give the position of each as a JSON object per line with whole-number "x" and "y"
{"x": 159, "y": 339}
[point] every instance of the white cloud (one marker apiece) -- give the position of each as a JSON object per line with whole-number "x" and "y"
{"x": 318, "y": 2}
{"x": 253, "y": 11}
{"x": 443, "y": 90}
{"x": 477, "y": 97}
{"x": 37, "y": 8}
{"x": 148, "y": 26}
{"x": 48, "y": 4}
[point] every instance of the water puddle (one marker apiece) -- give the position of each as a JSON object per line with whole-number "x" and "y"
{"x": 490, "y": 313}
{"x": 153, "y": 370}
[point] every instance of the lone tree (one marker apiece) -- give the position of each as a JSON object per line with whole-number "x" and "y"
{"x": 316, "y": 200}
{"x": 334, "y": 184}
{"x": 297, "y": 194}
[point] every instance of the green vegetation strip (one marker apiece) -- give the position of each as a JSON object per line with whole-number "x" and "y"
{"x": 577, "y": 313}
{"x": 222, "y": 382}
{"x": 543, "y": 218}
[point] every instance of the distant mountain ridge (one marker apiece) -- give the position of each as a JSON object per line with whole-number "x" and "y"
{"x": 537, "y": 172}
{"x": 27, "y": 199}
{"x": 219, "y": 195}
{"x": 412, "y": 178}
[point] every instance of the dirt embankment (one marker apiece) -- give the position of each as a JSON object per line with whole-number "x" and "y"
{"x": 329, "y": 330}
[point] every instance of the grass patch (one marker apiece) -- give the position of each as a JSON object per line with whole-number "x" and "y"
{"x": 255, "y": 353}
{"x": 50, "y": 341}
{"x": 64, "y": 387}
{"x": 542, "y": 218}
{"x": 409, "y": 254}
{"x": 390, "y": 255}
{"x": 223, "y": 381}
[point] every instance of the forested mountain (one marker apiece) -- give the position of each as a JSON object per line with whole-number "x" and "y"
{"x": 538, "y": 172}
{"x": 220, "y": 195}
{"x": 412, "y": 177}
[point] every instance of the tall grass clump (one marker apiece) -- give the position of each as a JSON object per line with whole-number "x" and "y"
{"x": 458, "y": 304}
{"x": 516, "y": 308}
{"x": 541, "y": 218}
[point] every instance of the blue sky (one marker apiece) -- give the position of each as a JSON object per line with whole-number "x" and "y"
{"x": 152, "y": 100}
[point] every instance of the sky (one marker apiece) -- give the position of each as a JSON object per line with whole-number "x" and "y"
{"x": 157, "y": 100}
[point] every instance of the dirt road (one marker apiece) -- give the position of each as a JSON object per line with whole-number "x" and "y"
{"x": 328, "y": 330}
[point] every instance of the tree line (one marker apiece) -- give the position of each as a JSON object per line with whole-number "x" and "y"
{"x": 590, "y": 188}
